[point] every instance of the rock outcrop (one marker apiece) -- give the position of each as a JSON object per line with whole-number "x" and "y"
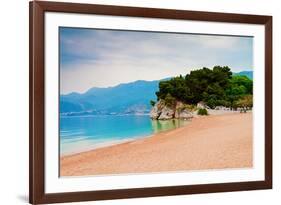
{"x": 156, "y": 110}
{"x": 166, "y": 113}
{"x": 202, "y": 105}
{"x": 161, "y": 111}
{"x": 184, "y": 114}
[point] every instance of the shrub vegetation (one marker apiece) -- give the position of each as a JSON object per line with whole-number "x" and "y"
{"x": 202, "y": 111}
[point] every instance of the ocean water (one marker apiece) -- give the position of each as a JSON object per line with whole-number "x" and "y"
{"x": 82, "y": 133}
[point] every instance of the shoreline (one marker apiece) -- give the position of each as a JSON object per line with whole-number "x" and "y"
{"x": 182, "y": 149}
{"x": 104, "y": 145}
{"x": 121, "y": 141}
{"x": 114, "y": 142}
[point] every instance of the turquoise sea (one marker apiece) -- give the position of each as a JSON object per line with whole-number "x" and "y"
{"x": 82, "y": 133}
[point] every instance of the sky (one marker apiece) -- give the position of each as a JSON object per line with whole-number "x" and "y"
{"x": 103, "y": 58}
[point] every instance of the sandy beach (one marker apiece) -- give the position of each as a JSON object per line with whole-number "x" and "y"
{"x": 210, "y": 142}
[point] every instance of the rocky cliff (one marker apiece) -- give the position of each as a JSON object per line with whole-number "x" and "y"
{"x": 160, "y": 111}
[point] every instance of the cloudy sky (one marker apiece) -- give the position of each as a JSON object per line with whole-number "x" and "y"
{"x": 103, "y": 58}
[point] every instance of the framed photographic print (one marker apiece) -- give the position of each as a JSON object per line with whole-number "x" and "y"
{"x": 138, "y": 102}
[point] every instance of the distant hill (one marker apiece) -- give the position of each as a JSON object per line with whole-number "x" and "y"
{"x": 249, "y": 74}
{"x": 125, "y": 98}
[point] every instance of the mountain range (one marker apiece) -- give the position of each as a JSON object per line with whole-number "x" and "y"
{"x": 110, "y": 100}
{"x": 127, "y": 98}
{"x": 249, "y": 74}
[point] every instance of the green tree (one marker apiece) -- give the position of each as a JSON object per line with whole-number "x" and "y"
{"x": 239, "y": 86}
{"x": 246, "y": 102}
{"x": 152, "y": 103}
{"x": 214, "y": 86}
{"x": 170, "y": 101}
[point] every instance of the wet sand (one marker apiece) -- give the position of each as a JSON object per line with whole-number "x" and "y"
{"x": 210, "y": 142}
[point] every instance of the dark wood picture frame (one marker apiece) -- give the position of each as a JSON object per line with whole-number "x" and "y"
{"x": 37, "y": 193}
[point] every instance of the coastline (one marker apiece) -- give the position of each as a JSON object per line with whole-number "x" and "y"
{"x": 102, "y": 145}
{"x": 210, "y": 142}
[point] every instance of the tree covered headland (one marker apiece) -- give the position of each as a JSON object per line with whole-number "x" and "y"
{"x": 215, "y": 87}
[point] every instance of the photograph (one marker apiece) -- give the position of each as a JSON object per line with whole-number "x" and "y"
{"x": 136, "y": 102}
